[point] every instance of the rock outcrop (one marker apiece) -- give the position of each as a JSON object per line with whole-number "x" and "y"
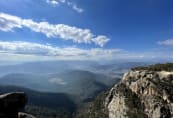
{"x": 11, "y": 104}
{"x": 142, "y": 94}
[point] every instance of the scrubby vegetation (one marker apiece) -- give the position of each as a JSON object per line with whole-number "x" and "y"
{"x": 44, "y": 112}
{"x": 156, "y": 67}
{"x": 95, "y": 109}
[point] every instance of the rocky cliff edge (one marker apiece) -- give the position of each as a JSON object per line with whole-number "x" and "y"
{"x": 142, "y": 94}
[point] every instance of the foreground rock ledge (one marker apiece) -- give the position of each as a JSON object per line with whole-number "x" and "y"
{"x": 11, "y": 104}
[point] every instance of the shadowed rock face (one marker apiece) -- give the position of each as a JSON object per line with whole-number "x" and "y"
{"x": 11, "y": 104}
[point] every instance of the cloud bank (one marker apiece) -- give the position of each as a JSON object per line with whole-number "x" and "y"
{"x": 18, "y": 51}
{"x": 35, "y": 49}
{"x": 65, "y": 32}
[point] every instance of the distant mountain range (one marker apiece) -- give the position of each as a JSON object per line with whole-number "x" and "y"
{"x": 83, "y": 84}
{"x": 48, "y": 67}
{"x": 81, "y": 79}
{"x": 45, "y": 67}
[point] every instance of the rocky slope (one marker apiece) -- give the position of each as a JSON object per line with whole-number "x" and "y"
{"x": 11, "y": 104}
{"x": 142, "y": 93}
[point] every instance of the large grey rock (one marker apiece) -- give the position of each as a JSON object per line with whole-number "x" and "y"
{"x": 11, "y": 104}
{"x": 24, "y": 115}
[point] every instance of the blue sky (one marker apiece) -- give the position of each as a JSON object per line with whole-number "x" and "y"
{"x": 33, "y": 30}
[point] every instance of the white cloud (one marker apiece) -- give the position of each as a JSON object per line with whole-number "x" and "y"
{"x": 66, "y": 32}
{"x": 75, "y": 7}
{"x": 52, "y": 2}
{"x": 26, "y": 48}
{"x": 8, "y": 22}
{"x": 168, "y": 42}
{"x": 70, "y": 4}
{"x": 51, "y": 52}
